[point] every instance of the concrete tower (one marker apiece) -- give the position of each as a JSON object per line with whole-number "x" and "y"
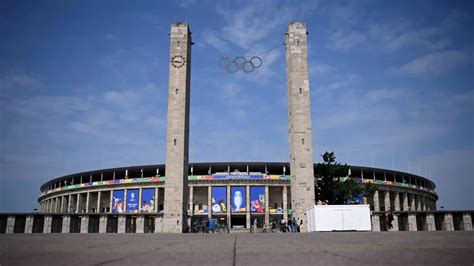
{"x": 299, "y": 121}
{"x": 177, "y": 134}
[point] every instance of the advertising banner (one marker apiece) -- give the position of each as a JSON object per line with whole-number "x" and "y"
{"x": 219, "y": 200}
{"x": 117, "y": 201}
{"x": 132, "y": 200}
{"x": 257, "y": 199}
{"x": 148, "y": 200}
{"x": 238, "y": 199}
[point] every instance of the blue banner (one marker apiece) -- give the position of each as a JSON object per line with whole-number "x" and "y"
{"x": 257, "y": 199}
{"x": 219, "y": 200}
{"x": 238, "y": 199}
{"x": 132, "y": 200}
{"x": 117, "y": 201}
{"x": 148, "y": 200}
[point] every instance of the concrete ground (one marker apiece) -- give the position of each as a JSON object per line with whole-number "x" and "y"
{"x": 344, "y": 248}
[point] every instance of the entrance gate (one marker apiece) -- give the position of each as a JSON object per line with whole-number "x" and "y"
{"x": 112, "y": 224}
{"x": 131, "y": 224}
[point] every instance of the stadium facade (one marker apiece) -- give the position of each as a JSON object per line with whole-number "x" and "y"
{"x": 234, "y": 193}
{"x": 172, "y": 196}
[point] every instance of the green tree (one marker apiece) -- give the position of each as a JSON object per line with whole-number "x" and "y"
{"x": 330, "y": 188}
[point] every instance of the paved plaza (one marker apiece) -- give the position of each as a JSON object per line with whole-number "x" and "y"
{"x": 342, "y": 248}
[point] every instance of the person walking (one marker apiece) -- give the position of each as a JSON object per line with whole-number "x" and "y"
{"x": 389, "y": 219}
{"x": 294, "y": 224}
{"x": 299, "y": 225}
{"x": 254, "y": 225}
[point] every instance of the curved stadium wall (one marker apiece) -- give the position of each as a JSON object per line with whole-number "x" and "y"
{"x": 237, "y": 190}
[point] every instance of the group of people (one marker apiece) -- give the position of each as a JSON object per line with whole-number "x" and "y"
{"x": 205, "y": 226}
{"x": 293, "y": 226}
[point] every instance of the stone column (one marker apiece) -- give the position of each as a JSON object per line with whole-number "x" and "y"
{"x": 98, "y": 201}
{"x": 397, "y": 201}
{"x": 448, "y": 223}
{"x": 430, "y": 222}
{"x": 156, "y": 202}
{"x": 285, "y": 203}
{"x": 10, "y": 224}
{"x": 111, "y": 200}
{"x": 66, "y": 228}
{"x": 69, "y": 201}
{"x": 61, "y": 210}
{"x": 191, "y": 201}
{"x": 376, "y": 202}
{"x": 121, "y": 224}
{"x": 267, "y": 207}
{"x": 78, "y": 202}
{"x": 247, "y": 211}
{"x": 85, "y": 224}
{"x": 412, "y": 202}
{"x": 87, "y": 202}
{"x": 177, "y": 134}
{"x": 103, "y": 224}
{"x": 47, "y": 224}
{"x": 412, "y": 222}
{"x": 140, "y": 224}
{"x": 54, "y": 204}
{"x": 364, "y": 200}
{"x": 300, "y": 128}
{"x": 29, "y": 224}
{"x": 418, "y": 202}
{"x": 375, "y": 222}
{"x": 405, "y": 201}
{"x": 395, "y": 223}
{"x": 209, "y": 202}
{"x": 140, "y": 200}
{"x": 229, "y": 207}
{"x": 125, "y": 201}
{"x": 51, "y": 205}
{"x": 386, "y": 200}
{"x": 467, "y": 221}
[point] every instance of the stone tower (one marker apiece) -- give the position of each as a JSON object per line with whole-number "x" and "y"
{"x": 299, "y": 121}
{"x": 177, "y": 135}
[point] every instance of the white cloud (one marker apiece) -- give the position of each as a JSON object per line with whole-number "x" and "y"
{"x": 385, "y": 94}
{"x": 433, "y": 64}
{"x": 247, "y": 25}
{"x": 212, "y": 38}
{"x": 186, "y": 3}
{"x": 343, "y": 41}
{"x": 403, "y": 33}
{"x": 15, "y": 82}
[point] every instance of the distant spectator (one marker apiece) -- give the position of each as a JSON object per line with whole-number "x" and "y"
{"x": 389, "y": 219}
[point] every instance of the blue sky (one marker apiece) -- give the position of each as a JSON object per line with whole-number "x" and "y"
{"x": 84, "y": 86}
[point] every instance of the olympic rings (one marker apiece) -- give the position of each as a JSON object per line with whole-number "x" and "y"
{"x": 240, "y": 63}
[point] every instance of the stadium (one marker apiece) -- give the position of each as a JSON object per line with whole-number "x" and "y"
{"x": 234, "y": 193}
{"x": 173, "y": 196}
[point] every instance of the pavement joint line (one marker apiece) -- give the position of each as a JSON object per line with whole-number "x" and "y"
{"x": 234, "y": 252}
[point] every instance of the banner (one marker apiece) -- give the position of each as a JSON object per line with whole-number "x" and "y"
{"x": 132, "y": 200}
{"x": 219, "y": 200}
{"x": 117, "y": 201}
{"x": 257, "y": 199}
{"x": 238, "y": 199}
{"x": 148, "y": 200}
